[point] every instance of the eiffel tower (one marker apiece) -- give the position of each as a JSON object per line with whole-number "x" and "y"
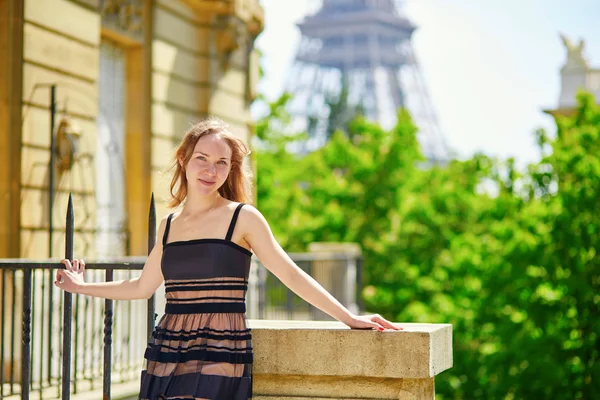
{"x": 361, "y": 50}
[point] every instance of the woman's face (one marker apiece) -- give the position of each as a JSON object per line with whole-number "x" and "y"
{"x": 209, "y": 166}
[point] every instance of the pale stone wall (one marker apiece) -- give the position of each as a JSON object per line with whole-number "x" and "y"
{"x": 60, "y": 47}
{"x": 179, "y": 75}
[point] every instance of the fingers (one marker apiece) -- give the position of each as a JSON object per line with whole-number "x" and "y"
{"x": 390, "y": 325}
{"x": 368, "y": 325}
{"x": 70, "y": 265}
{"x": 379, "y": 321}
{"x": 75, "y": 266}
{"x": 385, "y": 323}
{"x": 373, "y": 324}
{"x": 67, "y": 264}
{"x": 59, "y": 277}
{"x": 63, "y": 274}
{"x": 78, "y": 265}
{"x": 376, "y": 321}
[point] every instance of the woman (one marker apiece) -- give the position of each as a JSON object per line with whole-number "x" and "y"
{"x": 201, "y": 347}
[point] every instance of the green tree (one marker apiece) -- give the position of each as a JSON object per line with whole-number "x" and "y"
{"x": 509, "y": 258}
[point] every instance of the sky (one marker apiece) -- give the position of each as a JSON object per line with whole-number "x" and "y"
{"x": 490, "y": 66}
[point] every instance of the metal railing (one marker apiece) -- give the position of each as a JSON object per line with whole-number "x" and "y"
{"x": 44, "y": 363}
{"x": 339, "y": 273}
{"x": 37, "y": 358}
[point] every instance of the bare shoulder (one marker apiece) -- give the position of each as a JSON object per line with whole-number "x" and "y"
{"x": 251, "y": 213}
{"x": 173, "y": 214}
{"x": 163, "y": 223}
{"x": 251, "y": 218}
{"x": 257, "y": 232}
{"x": 164, "y": 219}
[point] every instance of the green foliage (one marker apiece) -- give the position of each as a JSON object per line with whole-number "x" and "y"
{"x": 509, "y": 258}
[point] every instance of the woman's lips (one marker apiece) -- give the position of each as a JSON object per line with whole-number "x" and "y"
{"x": 206, "y": 183}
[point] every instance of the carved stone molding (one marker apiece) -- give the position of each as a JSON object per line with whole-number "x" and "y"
{"x": 232, "y": 33}
{"x": 124, "y": 16}
{"x": 248, "y": 11}
{"x": 236, "y": 24}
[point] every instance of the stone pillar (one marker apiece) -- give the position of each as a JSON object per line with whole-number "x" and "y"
{"x": 11, "y": 92}
{"x": 326, "y": 360}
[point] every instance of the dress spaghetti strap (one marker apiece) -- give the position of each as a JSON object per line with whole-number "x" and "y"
{"x": 233, "y": 221}
{"x": 166, "y": 234}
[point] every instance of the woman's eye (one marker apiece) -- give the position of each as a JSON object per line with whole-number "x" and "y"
{"x": 223, "y": 162}
{"x": 200, "y": 158}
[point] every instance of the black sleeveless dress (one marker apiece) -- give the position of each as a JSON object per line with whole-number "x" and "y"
{"x": 201, "y": 347}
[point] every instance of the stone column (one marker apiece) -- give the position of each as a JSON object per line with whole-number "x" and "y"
{"x": 298, "y": 360}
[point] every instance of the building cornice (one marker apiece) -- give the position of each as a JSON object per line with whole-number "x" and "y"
{"x": 248, "y": 11}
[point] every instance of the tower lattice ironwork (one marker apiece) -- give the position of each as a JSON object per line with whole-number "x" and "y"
{"x": 361, "y": 50}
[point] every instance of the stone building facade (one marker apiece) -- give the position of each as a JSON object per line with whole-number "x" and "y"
{"x": 130, "y": 77}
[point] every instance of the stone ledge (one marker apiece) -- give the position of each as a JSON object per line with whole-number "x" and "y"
{"x": 308, "y": 360}
{"x": 323, "y": 348}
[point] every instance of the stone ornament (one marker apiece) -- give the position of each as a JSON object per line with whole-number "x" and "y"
{"x": 575, "y": 58}
{"x": 67, "y": 144}
{"x": 124, "y": 15}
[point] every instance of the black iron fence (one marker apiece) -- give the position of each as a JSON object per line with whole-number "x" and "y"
{"x": 37, "y": 356}
{"x": 45, "y": 331}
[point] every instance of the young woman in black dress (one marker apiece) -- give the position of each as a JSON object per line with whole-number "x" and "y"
{"x": 201, "y": 347}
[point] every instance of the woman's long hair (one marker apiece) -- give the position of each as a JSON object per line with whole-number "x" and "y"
{"x": 237, "y": 186}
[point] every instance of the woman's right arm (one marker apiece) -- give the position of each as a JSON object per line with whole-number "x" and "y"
{"x": 71, "y": 280}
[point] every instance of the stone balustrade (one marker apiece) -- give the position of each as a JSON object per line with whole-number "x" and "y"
{"x": 318, "y": 360}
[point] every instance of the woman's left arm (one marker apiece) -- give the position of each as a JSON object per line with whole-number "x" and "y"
{"x": 260, "y": 238}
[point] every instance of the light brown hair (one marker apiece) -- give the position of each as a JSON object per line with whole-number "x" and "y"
{"x": 237, "y": 187}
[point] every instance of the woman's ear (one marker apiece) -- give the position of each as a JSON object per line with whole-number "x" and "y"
{"x": 180, "y": 161}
